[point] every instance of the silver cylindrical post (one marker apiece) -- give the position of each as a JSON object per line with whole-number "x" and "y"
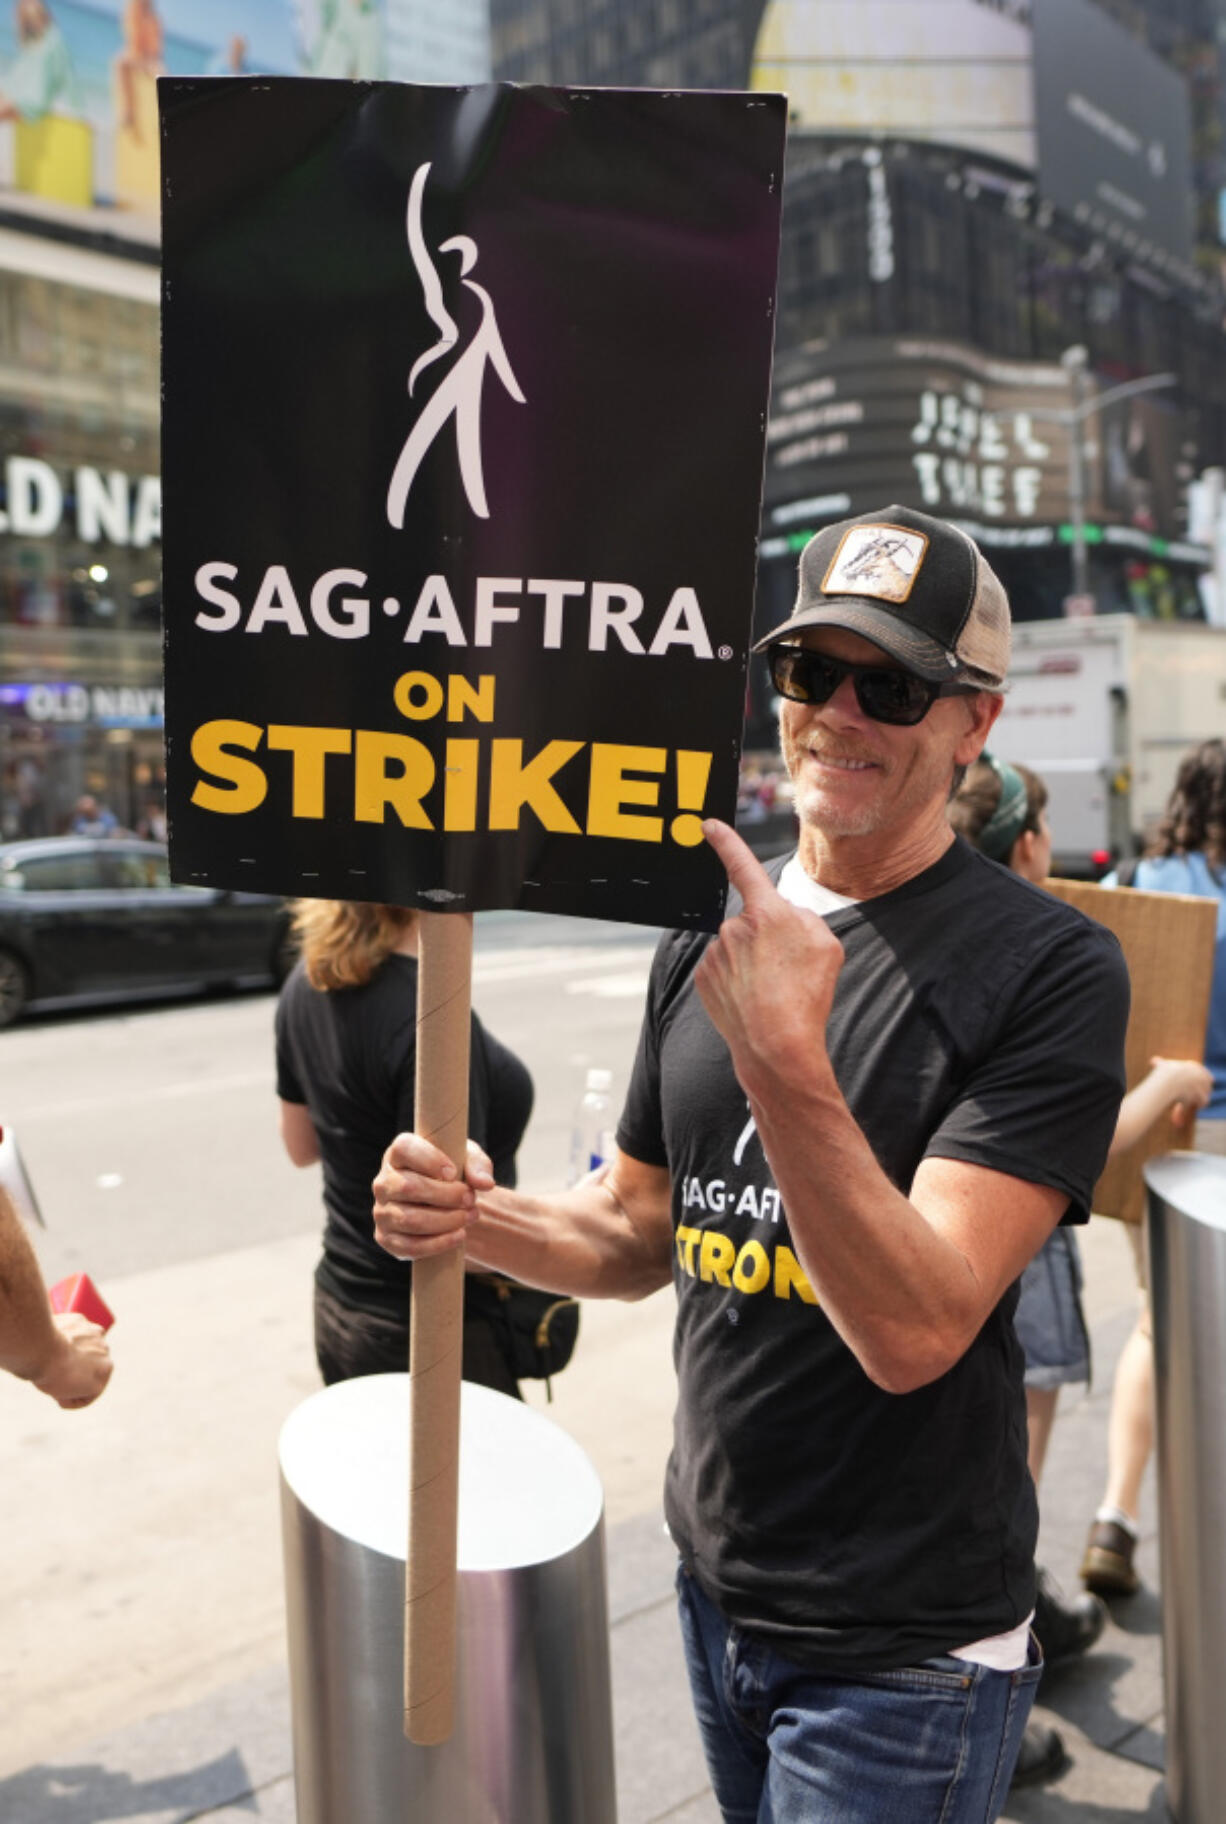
{"x": 533, "y": 1737}
{"x": 1187, "y": 1245}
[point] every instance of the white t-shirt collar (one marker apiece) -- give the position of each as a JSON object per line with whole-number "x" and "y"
{"x": 800, "y": 889}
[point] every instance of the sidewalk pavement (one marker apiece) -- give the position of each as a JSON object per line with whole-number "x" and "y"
{"x": 224, "y": 1756}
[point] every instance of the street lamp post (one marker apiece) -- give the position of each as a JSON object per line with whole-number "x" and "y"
{"x": 1075, "y": 361}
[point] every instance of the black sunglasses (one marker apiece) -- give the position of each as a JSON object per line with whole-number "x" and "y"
{"x": 885, "y": 693}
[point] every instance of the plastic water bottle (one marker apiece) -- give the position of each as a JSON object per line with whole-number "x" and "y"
{"x": 591, "y": 1141}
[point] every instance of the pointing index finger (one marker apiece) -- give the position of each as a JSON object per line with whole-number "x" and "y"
{"x": 745, "y": 871}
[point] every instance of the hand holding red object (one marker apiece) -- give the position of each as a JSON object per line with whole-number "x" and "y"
{"x": 79, "y": 1293}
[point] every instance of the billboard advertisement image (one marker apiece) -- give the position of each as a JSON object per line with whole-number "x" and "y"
{"x": 78, "y": 103}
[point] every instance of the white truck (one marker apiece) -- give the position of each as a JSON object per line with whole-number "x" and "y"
{"x": 1104, "y": 708}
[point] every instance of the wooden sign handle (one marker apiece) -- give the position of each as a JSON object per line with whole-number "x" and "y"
{"x": 444, "y": 998}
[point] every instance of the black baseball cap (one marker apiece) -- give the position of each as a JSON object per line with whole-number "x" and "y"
{"x": 917, "y": 587}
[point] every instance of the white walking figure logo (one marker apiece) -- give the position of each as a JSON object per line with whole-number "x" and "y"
{"x": 747, "y": 1133}
{"x": 458, "y": 396}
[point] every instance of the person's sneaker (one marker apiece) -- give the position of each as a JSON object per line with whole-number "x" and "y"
{"x": 1065, "y": 1628}
{"x": 1041, "y": 1756}
{"x": 1107, "y": 1568}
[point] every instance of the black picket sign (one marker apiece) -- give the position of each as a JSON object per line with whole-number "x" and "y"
{"x": 464, "y": 419}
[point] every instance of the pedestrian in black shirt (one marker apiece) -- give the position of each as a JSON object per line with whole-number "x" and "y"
{"x": 346, "y": 1046}
{"x": 855, "y": 1115}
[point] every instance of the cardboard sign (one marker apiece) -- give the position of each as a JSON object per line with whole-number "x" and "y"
{"x": 1168, "y": 940}
{"x": 464, "y": 422}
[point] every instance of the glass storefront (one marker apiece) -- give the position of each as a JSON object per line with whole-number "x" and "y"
{"x": 80, "y": 538}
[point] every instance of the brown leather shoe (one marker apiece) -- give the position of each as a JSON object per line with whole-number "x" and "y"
{"x": 1107, "y": 1567}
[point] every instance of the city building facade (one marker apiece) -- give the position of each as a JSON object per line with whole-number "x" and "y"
{"x": 80, "y": 533}
{"x": 976, "y": 190}
{"x": 80, "y": 494}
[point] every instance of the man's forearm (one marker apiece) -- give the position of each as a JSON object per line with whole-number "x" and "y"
{"x": 29, "y": 1340}
{"x": 582, "y": 1243}
{"x": 902, "y": 1296}
{"x": 608, "y": 1237}
{"x": 895, "y": 1289}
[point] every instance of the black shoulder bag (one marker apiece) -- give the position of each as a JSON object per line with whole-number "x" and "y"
{"x": 541, "y": 1327}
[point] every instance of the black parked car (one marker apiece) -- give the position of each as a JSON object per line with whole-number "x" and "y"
{"x": 99, "y": 920}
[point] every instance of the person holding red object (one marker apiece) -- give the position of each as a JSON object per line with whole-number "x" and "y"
{"x": 63, "y": 1354}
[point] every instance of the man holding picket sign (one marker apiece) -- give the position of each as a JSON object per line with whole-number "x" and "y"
{"x": 855, "y": 1115}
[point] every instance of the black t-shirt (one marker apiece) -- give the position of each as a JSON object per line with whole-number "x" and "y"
{"x": 349, "y": 1055}
{"x": 976, "y": 1018}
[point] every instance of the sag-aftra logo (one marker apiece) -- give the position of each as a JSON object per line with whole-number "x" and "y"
{"x": 458, "y": 395}
{"x": 558, "y": 610}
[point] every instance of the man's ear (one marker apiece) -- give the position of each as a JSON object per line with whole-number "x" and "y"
{"x": 982, "y": 711}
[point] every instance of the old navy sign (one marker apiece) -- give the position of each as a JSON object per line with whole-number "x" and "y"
{"x": 57, "y": 703}
{"x": 106, "y": 506}
{"x": 465, "y": 404}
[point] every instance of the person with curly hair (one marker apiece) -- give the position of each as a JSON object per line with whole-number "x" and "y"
{"x": 1187, "y": 854}
{"x": 346, "y": 1047}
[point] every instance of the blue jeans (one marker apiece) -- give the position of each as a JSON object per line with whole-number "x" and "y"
{"x": 932, "y": 1744}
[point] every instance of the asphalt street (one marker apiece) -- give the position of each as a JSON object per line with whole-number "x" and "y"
{"x": 150, "y": 1135}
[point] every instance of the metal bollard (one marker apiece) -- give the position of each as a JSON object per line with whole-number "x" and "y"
{"x": 1187, "y": 1248}
{"x": 533, "y": 1740}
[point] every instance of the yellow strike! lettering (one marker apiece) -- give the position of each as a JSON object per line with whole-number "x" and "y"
{"x": 374, "y": 788}
{"x": 477, "y": 699}
{"x": 693, "y": 772}
{"x": 399, "y": 771}
{"x": 247, "y": 785}
{"x": 425, "y": 705}
{"x": 718, "y": 1254}
{"x": 686, "y": 1239}
{"x": 310, "y": 748}
{"x": 789, "y": 1276}
{"x": 514, "y": 785}
{"x": 460, "y": 787}
{"x": 753, "y": 1268}
{"x": 609, "y": 790}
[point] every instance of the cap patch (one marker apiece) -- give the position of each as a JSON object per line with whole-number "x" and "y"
{"x": 879, "y": 561}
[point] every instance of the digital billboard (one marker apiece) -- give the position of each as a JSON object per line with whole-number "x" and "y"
{"x": 937, "y": 425}
{"x": 1114, "y": 130}
{"x": 953, "y": 71}
{"x": 1054, "y": 87}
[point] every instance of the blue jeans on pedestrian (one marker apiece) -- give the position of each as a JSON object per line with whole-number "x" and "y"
{"x": 933, "y": 1743}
